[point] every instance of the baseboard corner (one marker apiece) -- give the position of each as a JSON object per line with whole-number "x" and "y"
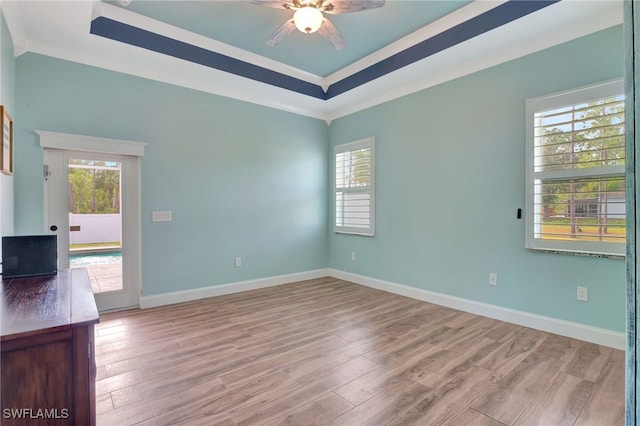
{"x": 601, "y": 336}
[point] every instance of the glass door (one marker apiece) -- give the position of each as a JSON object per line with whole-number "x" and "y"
{"x": 95, "y": 221}
{"x": 91, "y": 205}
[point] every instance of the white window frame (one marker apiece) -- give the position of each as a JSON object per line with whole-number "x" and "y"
{"x": 370, "y": 189}
{"x": 571, "y": 97}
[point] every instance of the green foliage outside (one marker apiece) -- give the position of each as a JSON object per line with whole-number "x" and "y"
{"x": 588, "y": 230}
{"x": 94, "y": 187}
{"x": 360, "y": 169}
{"x": 583, "y": 136}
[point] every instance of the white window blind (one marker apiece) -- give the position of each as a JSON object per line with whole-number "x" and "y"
{"x": 576, "y": 172}
{"x": 354, "y": 187}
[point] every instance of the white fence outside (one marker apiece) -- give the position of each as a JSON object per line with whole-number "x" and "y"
{"x": 95, "y": 228}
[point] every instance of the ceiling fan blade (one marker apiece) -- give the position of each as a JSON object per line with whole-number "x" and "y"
{"x": 284, "y": 30}
{"x": 278, "y": 4}
{"x": 332, "y": 35}
{"x": 347, "y": 6}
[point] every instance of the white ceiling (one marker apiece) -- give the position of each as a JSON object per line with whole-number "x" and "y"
{"x": 61, "y": 29}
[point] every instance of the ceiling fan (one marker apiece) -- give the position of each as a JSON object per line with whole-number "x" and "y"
{"x": 309, "y": 18}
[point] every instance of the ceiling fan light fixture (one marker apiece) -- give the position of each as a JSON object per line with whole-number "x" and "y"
{"x": 308, "y": 19}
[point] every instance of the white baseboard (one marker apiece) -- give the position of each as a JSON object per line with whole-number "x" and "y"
{"x": 219, "y": 290}
{"x": 575, "y": 330}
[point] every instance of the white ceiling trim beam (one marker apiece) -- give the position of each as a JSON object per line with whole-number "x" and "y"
{"x": 535, "y": 32}
{"x": 154, "y": 66}
{"x": 127, "y": 17}
{"x": 555, "y": 24}
{"x": 78, "y": 45}
{"x": 464, "y": 14}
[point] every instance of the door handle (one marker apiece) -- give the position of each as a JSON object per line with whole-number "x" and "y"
{"x": 53, "y": 228}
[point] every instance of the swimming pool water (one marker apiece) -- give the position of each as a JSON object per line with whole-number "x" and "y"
{"x": 82, "y": 260}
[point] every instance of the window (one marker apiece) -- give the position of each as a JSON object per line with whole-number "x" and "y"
{"x": 354, "y": 187}
{"x": 576, "y": 170}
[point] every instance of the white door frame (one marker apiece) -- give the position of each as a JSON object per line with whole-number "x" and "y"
{"x": 59, "y": 147}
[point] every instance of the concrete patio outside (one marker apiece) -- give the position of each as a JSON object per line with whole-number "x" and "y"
{"x": 106, "y": 277}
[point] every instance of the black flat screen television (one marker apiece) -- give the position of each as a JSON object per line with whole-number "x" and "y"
{"x": 29, "y": 255}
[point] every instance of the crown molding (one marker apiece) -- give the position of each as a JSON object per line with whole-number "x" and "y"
{"x": 13, "y": 18}
{"x": 466, "y": 59}
{"x": 545, "y": 28}
{"x": 461, "y": 15}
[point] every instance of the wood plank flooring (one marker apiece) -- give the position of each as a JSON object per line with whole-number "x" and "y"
{"x": 329, "y": 352}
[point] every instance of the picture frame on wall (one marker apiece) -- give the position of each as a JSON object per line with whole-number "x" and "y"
{"x": 6, "y": 153}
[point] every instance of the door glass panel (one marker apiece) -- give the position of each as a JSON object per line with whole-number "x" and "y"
{"x": 95, "y": 221}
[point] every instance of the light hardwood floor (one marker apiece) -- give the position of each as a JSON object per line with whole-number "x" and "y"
{"x": 329, "y": 352}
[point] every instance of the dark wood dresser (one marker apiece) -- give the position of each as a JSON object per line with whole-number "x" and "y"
{"x": 48, "y": 366}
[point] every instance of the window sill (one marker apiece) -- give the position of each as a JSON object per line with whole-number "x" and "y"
{"x": 358, "y": 234}
{"x": 578, "y": 253}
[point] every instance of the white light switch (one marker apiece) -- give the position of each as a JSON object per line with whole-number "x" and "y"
{"x": 493, "y": 279}
{"x": 161, "y": 216}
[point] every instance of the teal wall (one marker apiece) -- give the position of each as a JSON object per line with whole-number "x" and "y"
{"x": 241, "y": 180}
{"x": 450, "y": 177}
{"x": 7, "y": 98}
{"x": 7, "y": 69}
{"x": 244, "y": 180}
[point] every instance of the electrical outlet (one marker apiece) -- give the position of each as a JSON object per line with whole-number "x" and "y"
{"x": 583, "y": 294}
{"x": 238, "y": 262}
{"x": 353, "y": 256}
{"x": 493, "y": 279}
